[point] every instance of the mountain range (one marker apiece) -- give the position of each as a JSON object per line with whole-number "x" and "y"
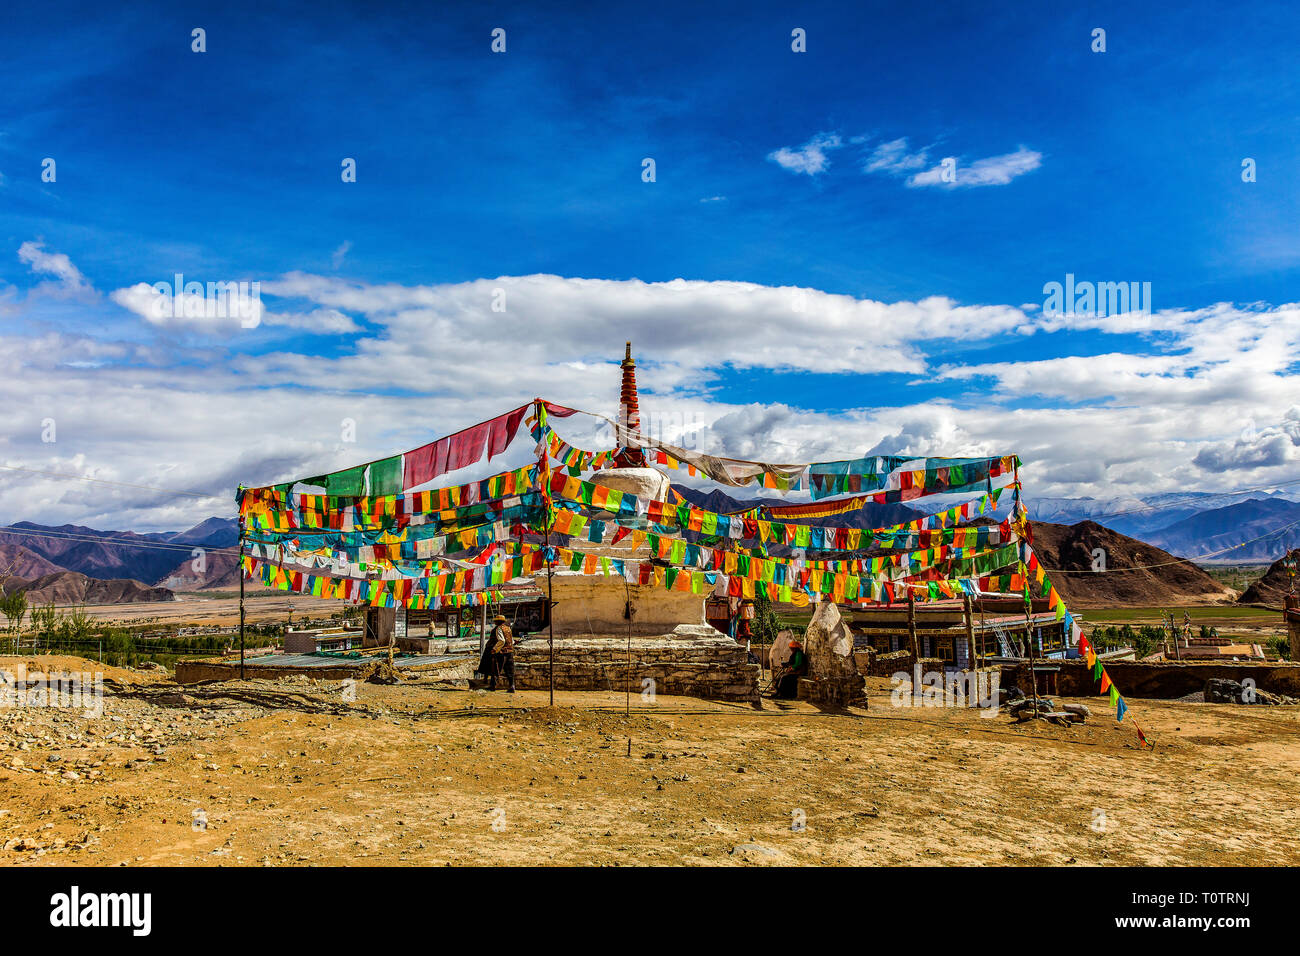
{"x": 72, "y": 564}
{"x": 1190, "y": 525}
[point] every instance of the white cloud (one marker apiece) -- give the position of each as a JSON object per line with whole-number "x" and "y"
{"x": 199, "y": 311}
{"x": 1261, "y": 452}
{"x": 810, "y": 158}
{"x": 336, "y": 258}
{"x": 993, "y": 171}
{"x": 68, "y": 280}
{"x": 893, "y": 157}
{"x": 408, "y": 363}
{"x": 212, "y": 312}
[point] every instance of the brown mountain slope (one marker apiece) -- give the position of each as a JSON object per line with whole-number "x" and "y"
{"x": 71, "y": 587}
{"x": 1070, "y": 548}
{"x": 22, "y": 563}
{"x": 227, "y": 580}
{"x": 218, "y": 566}
{"x": 1271, "y": 588}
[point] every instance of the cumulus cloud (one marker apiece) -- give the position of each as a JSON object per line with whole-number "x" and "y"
{"x": 809, "y": 159}
{"x": 1263, "y": 452}
{"x": 221, "y": 307}
{"x": 205, "y": 307}
{"x": 406, "y": 363}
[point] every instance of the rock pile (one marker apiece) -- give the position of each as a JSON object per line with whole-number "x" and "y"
{"x": 1223, "y": 691}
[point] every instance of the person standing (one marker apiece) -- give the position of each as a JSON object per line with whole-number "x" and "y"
{"x": 503, "y": 654}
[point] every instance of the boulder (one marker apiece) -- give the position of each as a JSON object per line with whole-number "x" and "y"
{"x": 779, "y": 652}
{"x": 1220, "y": 690}
{"x": 833, "y": 677}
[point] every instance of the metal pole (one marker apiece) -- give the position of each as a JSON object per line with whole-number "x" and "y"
{"x": 1029, "y": 639}
{"x": 550, "y": 614}
{"x": 911, "y": 626}
{"x": 972, "y": 657}
{"x": 241, "y": 597}
{"x": 543, "y": 478}
{"x": 627, "y": 613}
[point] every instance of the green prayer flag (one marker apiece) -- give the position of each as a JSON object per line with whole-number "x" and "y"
{"x": 386, "y": 476}
{"x": 349, "y": 482}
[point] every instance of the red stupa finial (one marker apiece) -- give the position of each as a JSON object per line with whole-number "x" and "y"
{"x": 629, "y": 417}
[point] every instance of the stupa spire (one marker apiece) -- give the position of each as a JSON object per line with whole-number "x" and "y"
{"x": 629, "y": 416}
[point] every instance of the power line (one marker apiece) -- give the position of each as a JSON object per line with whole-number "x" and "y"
{"x": 119, "y": 542}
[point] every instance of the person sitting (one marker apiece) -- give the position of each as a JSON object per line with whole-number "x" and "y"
{"x": 786, "y": 680}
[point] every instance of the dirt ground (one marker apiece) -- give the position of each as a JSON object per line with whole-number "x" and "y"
{"x": 291, "y": 772}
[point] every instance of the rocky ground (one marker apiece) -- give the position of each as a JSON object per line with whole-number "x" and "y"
{"x": 295, "y": 772}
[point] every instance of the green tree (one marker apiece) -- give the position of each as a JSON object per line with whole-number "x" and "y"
{"x": 14, "y": 605}
{"x": 766, "y": 625}
{"x": 44, "y": 624}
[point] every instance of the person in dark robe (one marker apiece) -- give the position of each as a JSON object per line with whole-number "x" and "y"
{"x": 502, "y": 644}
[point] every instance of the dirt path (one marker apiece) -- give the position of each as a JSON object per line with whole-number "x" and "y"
{"x": 291, "y": 773}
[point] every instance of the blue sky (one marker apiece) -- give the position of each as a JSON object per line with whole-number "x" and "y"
{"x": 773, "y": 169}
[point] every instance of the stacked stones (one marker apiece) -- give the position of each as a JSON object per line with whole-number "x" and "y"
{"x": 692, "y": 661}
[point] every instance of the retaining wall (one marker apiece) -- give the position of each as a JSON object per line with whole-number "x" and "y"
{"x": 1162, "y": 680}
{"x": 711, "y": 667}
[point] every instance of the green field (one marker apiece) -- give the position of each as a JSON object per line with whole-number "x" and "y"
{"x": 1235, "y": 576}
{"x": 1247, "y": 624}
{"x": 1229, "y": 613}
